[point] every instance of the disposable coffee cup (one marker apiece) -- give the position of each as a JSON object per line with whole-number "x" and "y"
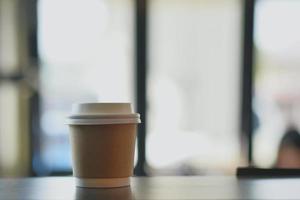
{"x": 102, "y": 137}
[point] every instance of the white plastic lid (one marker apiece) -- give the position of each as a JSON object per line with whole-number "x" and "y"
{"x": 102, "y": 113}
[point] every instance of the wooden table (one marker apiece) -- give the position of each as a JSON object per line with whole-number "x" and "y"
{"x": 157, "y": 188}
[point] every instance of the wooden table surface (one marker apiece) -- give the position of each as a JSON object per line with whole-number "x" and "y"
{"x": 157, "y": 188}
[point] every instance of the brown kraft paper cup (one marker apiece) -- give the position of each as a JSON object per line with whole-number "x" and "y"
{"x": 103, "y": 154}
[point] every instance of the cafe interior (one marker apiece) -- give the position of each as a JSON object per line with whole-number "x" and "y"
{"x": 216, "y": 82}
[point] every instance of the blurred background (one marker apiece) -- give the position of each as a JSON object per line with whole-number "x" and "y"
{"x": 204, "y": 74}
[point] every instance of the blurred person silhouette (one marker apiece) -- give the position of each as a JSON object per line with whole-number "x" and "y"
{"x": 288, "y": 155}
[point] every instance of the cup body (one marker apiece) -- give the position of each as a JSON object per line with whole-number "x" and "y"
{"x": 103, "y": 151}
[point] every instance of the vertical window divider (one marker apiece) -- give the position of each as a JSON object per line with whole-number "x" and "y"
{"x": 34, "y": 101}
{"x": 247, "y": 78}
{"x": 141, "y": 81}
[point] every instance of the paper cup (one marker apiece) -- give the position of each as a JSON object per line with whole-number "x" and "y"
{"x": 102, "y": 137}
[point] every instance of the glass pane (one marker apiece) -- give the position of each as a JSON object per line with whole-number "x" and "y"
{"x": 194, "y": 86}
{"x": 277, "y": 83}
{"x": 9, "y": 36}
{"x": 86, "y": 47}
{"x": 9, "y": 128}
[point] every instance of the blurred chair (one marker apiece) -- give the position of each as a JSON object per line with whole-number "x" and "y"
{"x": 288, "y": 159}
{"x": 289, "y": 150}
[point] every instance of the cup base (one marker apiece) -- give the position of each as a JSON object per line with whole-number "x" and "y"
{"x": 102, "y": 182}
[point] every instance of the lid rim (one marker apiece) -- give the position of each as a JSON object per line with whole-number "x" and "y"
{"x": 102, "y": 121}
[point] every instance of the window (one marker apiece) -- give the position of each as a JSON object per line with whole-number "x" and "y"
{"x": 277, "y": 72}
{"x": 194, "y": 85}
{"x": 192, "y": 65}
{"x": 14, "y": 91}
{"x": 86, "y": 53}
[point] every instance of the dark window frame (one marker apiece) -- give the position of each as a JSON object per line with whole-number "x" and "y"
{"x": 141, "y": 63}
{"x": 246, "y": 126}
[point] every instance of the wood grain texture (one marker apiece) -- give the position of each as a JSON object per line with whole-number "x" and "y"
{"x": 156, "y": 188}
